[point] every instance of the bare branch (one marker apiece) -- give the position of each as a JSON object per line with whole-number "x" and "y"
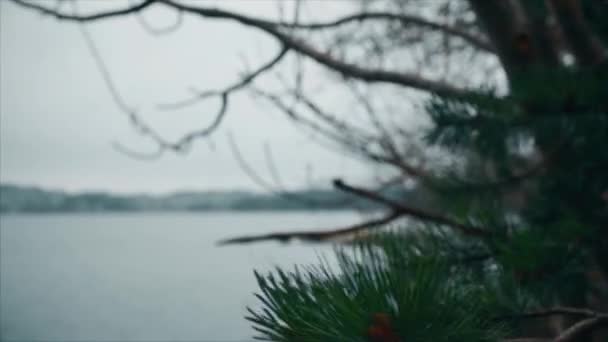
{"x": 144, "y": 129}
{"x": 347, "y": 233}
{"x": 347, "y": 69}
{"x": 413, "y": 212}
{"x": 247, "y": 79}
{"x": 575, "y": 332}
{"x": 349, "y": 138}
{"x": 314, "y": 126}
{"x": 182, "y": 144}
{"x": 557, "y": 311}
{"x": 158, "y": 31}
{"x": 351, "y": 132}
{"x": 350, "y": 232}
{"x": 151, "y": 156}
{"x": 120, "y": 102}
{"x": 592, "y": 320}
{"x": 187, "y": 139}
{"x": 412, "y": 80}
{"x": 85, "y": 17}
{"x": 254, "y": 176}
{"x": 406, "y": 19}
{"x": 278, "y": 190}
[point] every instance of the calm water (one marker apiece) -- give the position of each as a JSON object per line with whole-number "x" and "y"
{"x": 140, "y": 277}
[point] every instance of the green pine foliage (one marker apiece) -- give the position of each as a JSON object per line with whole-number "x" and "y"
{"x": 379, "y": 291}
{"x": 531, "y": 170}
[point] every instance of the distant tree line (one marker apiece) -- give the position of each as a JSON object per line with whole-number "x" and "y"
{"x": 15, "y": 198}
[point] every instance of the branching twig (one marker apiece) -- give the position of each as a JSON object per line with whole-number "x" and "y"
{"x": 328, "y": 133}
{"x": 413, "y": 212}
{"x": 471, "y": 38}
{"x": 397, "y": 210}
{"x": 278, "y": 190}
{"x": 412, "y": 80}
{"x": 179, "y": 145}
{"x": 244, "y": 81}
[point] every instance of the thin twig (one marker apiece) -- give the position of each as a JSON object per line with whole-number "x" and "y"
{"x": 561, "y": 311}
{"x": 315, "y": 236}
{"x": 581, "y": 328}
{"x": 244, "y": 81}
{"x": 471, "y": 38}
{"x": 412, "y": 79}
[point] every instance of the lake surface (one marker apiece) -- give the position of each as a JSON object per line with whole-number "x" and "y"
{"x": 141, "y": 277}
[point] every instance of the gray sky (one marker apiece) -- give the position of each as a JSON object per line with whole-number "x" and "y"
{"x": 57, "y": 119}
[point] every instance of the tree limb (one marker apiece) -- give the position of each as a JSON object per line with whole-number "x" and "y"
{"x": 581, "y": 328}
{"x": 411, "y": 80}
{"x": 471, "y": 38}
{"x": 347, "y": 69}
{"x": 315, "y": 236}
{"x": 85, "y": 17}
{"x": 563, "y": 311}
{"x": 593, "y": 320}
{"x": 413, "y": 212}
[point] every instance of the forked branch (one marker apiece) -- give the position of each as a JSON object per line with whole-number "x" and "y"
{"x": 243, "y": 82}
{"x": 410, "y": 80}
{"x": 469, "y": 37}
{"x": 405, "y": 210}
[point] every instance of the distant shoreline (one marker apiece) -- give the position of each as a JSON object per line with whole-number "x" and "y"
{"x": 168, "y": 212}
{"x": 35, "y": 200}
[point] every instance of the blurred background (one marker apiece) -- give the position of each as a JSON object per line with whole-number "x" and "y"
{"x": 100, "y": 244}
{"x": 145, "y": 142}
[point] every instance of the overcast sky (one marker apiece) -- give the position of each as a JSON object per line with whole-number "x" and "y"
{"x": 58, "y": 120}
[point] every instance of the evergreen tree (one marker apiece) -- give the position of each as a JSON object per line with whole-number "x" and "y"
{"x": 531, "y": 187}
